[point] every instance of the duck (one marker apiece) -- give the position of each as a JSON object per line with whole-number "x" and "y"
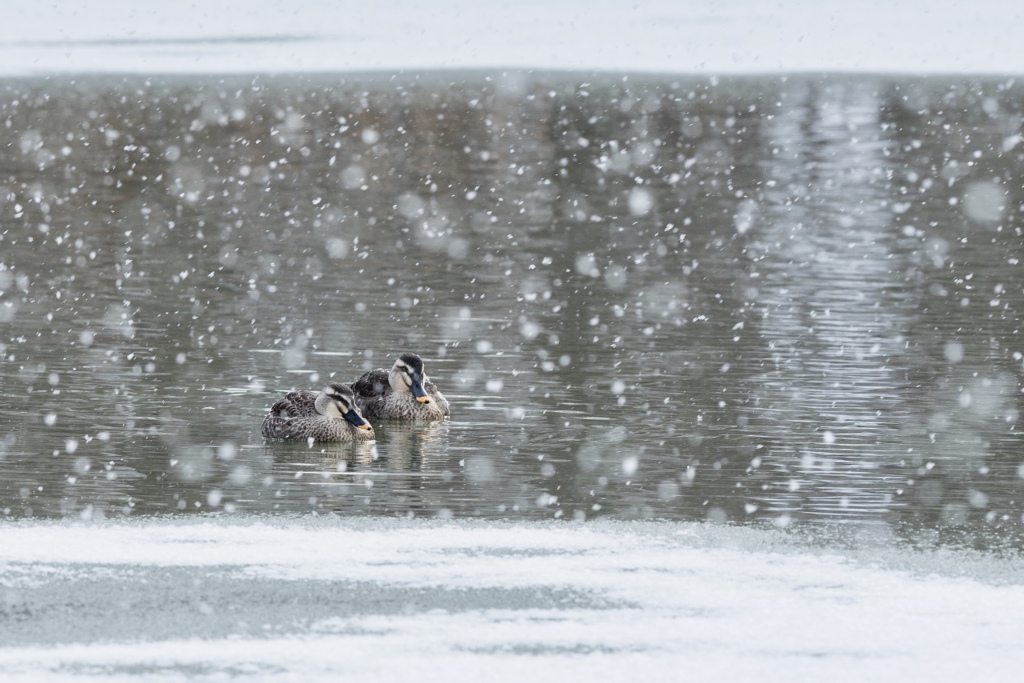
{"x": 330, "y": 415}
{"x": 403, "y": 393}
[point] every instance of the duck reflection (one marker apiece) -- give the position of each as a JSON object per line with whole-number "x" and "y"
{"x": 405, "y": 471}
{"x": 325, "y": 457}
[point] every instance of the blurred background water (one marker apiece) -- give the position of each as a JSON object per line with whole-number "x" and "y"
{"x": 772, "y": 301}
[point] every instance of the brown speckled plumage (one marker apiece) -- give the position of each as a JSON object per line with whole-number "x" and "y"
{"x": 330, "y": 415}
{"x": 393, "y": 394}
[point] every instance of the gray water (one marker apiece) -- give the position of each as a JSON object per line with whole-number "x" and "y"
{"x": 770, "y": 301}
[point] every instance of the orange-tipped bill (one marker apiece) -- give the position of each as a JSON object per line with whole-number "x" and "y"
{"x": 417, "y": 391}
{"x": 355, "y": 418}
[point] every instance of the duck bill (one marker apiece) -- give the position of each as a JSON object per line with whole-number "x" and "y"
{"x": 417, "y": 391}
{"x": 357, "y": 420}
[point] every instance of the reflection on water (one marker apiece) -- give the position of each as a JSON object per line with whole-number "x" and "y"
{"x": 764, "y": 300}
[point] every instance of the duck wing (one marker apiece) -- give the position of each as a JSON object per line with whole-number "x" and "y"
{"x": 295, "y": 404}
{"x": 274, "y": 427}
{"x": 372, "y": 384}
{"x": 371, "y": 391}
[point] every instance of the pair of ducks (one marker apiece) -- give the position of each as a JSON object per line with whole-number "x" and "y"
{"x": 339, "y": 412}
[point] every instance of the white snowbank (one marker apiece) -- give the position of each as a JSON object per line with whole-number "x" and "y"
{"x": 618, "y": 35}
{"x": 663, "y": 600}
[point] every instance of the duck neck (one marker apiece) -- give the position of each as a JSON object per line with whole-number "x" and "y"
{"x": 395, "y": 380}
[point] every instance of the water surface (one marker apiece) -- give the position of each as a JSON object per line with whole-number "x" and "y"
{"x": 773, "y": 301}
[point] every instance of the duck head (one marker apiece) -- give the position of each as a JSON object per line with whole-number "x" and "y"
{"x": 337, "y": 400}
{"x": 407, "y": 375}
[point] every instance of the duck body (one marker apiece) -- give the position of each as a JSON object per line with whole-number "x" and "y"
{"x": 402, "y": 393}
{"x": 330, "y": 415}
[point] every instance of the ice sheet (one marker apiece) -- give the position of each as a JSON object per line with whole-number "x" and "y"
{"x": 314, "y": 599}
{"x": 616, "y": 35}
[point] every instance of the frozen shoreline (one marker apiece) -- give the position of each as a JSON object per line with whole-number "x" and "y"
{"x": 312, "y": 599}
{"x": 742, "y": 36}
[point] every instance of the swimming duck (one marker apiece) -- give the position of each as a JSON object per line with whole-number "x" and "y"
{"x": 330, "y": 415}
{"x": 404, "y": 393}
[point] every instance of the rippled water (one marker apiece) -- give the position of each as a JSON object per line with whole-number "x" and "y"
{"x": 769, "y": 300}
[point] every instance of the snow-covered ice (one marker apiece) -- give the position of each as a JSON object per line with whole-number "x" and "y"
{"x": 739, "y": 36}
{"x": 368, "y": 599}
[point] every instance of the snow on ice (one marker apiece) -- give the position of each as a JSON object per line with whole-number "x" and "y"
{"x": 370, "y": 599}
